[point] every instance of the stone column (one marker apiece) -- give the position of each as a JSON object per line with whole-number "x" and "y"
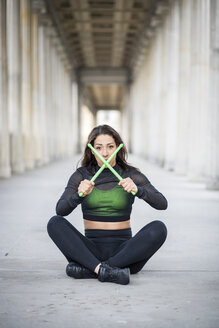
{"x": 26, "y": 102}
{"x": 60, "y": 109}
{"x": 158, "y": 95}
{"x": 14, "y": 91}
{"x": 54, "y": 93}
{"x": 198, "y": 91}
{"x": 69, "y": 136}
{"x": 80, "y": 104}
{"x": 172, "y": 86}
{"x": 75, "y": 127}
{"x": 138, "y": 105}
{"x": 184, "y": 122}
{"x": 35, "y": 91}
{"x": 213, "y": 117}
{"x": 5, "y": 170}
{"x": 204, "y": 85}
{"x": 127, "y": 122}
{"x": 157, "y": 110}
{"x": 48, "y": 101}
{"x": 63, "y": 111}
{"x": 42, "y": 95}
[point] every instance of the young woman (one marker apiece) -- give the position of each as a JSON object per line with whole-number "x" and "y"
{"x": 108, "y": 251}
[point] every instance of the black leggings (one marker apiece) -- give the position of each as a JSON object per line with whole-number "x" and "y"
{"x": 116, "y": 247}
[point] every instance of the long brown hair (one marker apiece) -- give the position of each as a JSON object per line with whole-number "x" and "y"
{"x": 88, "y": 158}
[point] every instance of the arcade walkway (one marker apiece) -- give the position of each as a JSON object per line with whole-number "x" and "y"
{"x": 155, "y": 63}
{"x": 178, "y": 288}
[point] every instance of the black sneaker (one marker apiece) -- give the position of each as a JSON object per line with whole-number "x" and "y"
{"x": 109, "y": 274}
{"x": 77, "y": 271}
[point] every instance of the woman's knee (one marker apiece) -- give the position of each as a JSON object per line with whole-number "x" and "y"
{"x": 159, "y": 230}
{"x": 53, "y": 222}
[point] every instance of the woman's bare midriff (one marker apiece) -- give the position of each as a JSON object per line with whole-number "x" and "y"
{"x": 106, "y": 225}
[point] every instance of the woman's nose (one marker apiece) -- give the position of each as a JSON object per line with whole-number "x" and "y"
{"x": 105, "y": 152}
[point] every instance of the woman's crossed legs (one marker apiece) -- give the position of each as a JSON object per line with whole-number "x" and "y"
{"x": 132, "y": 253}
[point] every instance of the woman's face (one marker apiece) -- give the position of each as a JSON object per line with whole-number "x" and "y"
{"x": 105, "y": 145}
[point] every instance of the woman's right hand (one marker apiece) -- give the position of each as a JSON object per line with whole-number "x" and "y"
{"x": 86, "y": 186}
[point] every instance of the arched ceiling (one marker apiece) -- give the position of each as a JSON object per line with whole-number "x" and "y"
{"x": 104, "y": 41}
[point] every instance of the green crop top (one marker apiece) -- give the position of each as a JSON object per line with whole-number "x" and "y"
{"x": 108, "y": 202}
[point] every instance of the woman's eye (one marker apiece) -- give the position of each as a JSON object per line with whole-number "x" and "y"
{"x": 111, "y": 147}
{"x": 98, "y": 148}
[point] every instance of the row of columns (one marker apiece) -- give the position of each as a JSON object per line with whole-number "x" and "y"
{"x": 175, "y": 98}
{"x": 39, "y": 101}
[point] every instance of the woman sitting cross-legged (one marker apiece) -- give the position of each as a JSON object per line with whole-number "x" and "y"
{"x": 107, "y": 251}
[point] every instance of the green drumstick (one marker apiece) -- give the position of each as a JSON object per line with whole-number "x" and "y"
{"x": 107, "y": 164}
{"x": 103, "y": 166}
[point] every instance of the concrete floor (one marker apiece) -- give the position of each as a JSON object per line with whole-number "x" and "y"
{"x": 179, "y": 287}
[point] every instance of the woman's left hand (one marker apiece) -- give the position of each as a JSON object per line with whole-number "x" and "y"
{"x": 128, "y": 185}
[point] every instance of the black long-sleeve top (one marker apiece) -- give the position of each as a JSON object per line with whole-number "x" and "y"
{"x": 108, "y": 201}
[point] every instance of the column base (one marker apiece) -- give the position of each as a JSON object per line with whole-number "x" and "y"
{"x": 29, "y": 165}
{"x": 17, "y": 168}
{"x": 5, "y": 172}
{"x": 213, "y": 184}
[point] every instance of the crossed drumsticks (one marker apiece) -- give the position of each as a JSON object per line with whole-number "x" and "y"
{"x": 105, "y": 163}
